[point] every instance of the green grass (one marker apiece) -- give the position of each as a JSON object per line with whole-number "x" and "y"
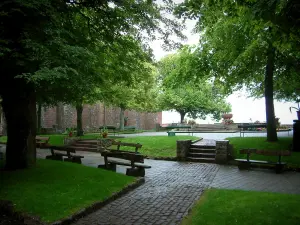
{"x": 58, "y": 139}
{"x": 53, "y": 190}
{"x": 153, "y": 146}
{"x": 227, "y": 207}
{"x": 3, "y": 139}
{"x": 260, "y": 143}
{"x": 157, "y": 146}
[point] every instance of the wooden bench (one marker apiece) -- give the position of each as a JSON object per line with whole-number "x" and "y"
{"x": 133, "y": 159}
{"x": 247, "y": 126}
{"x": 109, "y": 128}
{"x": 64, "y": 151}
{"x": 173, "y": 132}
{"x": 42, "y": 142}
{"x": 129, "y": 128}
{"x": 118, "y": 145}
{"x": 246, "y": 163}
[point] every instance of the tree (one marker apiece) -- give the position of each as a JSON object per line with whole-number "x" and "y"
{"x": 243, "y": 45}
{"x": 49, "y": 40}
{"x": 138, "y": 93}
{"x": 195, "y": 101}
{"x": 187, "y": 97}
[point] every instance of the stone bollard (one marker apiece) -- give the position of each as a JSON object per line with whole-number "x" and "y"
{"x": 183, "y": 147}
{"x": 222, "y": 151}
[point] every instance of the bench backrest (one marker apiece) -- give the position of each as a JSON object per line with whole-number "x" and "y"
{"x": 62, "y": 148}
{"x": 273, "y": 152}
{"x": 44, "y": 139}
{"x": 278, "y": 153}
{"x": 119, "y": 144}
{"x": 247, "y": 151}
{"x": 129, "y": 128}
{"x": 108, "y": 127}
{"x": 265, "y": 152}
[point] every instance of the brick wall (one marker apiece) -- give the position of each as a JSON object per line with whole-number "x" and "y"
{"x": 48, "y": 118}
{"x": 97, "y": 115}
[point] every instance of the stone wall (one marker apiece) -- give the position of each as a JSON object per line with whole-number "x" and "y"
{"x": 222, "y": 151}
{"x": 94, "y": 116}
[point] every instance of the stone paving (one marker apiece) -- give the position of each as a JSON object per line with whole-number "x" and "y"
{"x": 206, "y": 142}
{"x": 230, "y": 177}
{"x": 171, "y": 188}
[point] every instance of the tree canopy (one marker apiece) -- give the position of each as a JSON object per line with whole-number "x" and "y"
{"x": 138, "y": 94}
{"x": 62, "y": 51}
{"x": 197, "y": 97}
{"x": 244, "y": 43}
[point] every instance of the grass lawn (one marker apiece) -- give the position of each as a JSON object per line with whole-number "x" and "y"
{"x": 261, "y": 143}
{"x": 227, "y": 207}
{"x": 153, "y": 146}
{"x": 53, "y": 190}
{"x": 157, "y": 146}
{"x": 58, "y": 139}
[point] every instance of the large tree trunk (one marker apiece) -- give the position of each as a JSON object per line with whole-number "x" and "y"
{"x": 138, "y": 120}
{"x": 4, "y": 126}
{"x": 121, "y": 127}
{"x": 20, "y": 111}
{"x": 39, "y": 118}
{"x": 59, "y": 116}
{"x": 269, "y": 98}
{"x": 182, "y": 115}
{"x": 79, "y": 109}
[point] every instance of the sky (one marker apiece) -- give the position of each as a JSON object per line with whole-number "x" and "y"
{"x": 243, "y": 109}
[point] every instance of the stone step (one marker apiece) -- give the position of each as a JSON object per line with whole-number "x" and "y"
{"x": 202, "y": 150}
{"x": 202, "y": 155}
{"x": 204, "y": 160}
{"x": 195, "y": 146}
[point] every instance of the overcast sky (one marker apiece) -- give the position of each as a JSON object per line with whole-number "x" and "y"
{"x": 243, "y": 109}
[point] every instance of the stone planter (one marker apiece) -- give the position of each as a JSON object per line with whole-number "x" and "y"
{"x": 227, "y": 116}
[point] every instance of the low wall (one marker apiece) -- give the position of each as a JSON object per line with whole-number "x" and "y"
{"x": 223, "y": 152}
{"x": 183, "y": 147}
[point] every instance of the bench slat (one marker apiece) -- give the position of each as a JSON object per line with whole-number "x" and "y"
{"x": 266, "y": 152}
{"x": 128, "y": 163}
{"x": 63, "y": 148}
{"x": 124, "y": 155}
{"x": 247, "y": 151}
{"x": 260, "y": 161}
{"x": 273, "y": 152}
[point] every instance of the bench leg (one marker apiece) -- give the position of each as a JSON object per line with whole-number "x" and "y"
{"x": 135, "y": 172}
{"x": 279, "y": 168}
{"x": 109, "y": 166}
{"x": 244, "y": 165}
{"x": 55, "y": 157}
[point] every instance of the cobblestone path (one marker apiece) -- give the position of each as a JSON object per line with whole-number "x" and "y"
{"x": 170, "y": 190}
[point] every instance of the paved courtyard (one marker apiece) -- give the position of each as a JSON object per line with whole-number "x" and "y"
{"x": 171, "y": 188}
